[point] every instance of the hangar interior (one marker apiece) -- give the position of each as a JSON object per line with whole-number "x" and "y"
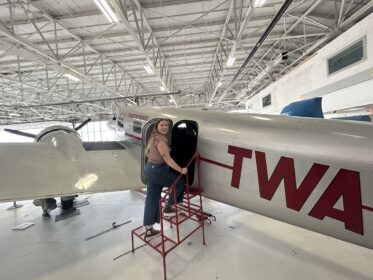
{"x": 62, "y": 62}
{"x": 66, "y": 61}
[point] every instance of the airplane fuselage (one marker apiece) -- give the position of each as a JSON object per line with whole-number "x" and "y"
{"x": 316, "y": 174}
{"x": 313, "y": 173}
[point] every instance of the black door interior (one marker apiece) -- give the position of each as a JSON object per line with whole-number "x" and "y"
{"x": 184, "y": 145}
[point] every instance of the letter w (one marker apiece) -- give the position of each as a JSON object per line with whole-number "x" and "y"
{"x": 295, "y": 197}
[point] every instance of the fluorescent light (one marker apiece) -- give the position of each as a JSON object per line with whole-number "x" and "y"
{"x": 170, "y": 100}
{"x": 72, "y": 77}
{"x": 148, "y": 69}
{"x": 242, "y": 94}
{"x": 258, "y": 3}
{"x": 162, "y": 88}
{"x": 230, "y": 61}
{"x": 106, "y": 10}
{"x": 14, "y": 115}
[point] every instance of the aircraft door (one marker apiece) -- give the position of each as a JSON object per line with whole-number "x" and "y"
{"x": 184, "y": 145}
{"x": 146, "y": 133}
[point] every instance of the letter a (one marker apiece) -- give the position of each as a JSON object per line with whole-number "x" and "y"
{"x": 346, "y": 184}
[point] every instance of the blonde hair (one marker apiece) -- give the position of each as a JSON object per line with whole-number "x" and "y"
{"x": 155, "y": 133}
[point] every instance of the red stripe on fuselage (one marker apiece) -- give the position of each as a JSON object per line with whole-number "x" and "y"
{"x": 216, "y": 163}
{"x": 133, "y": 136}
{"x": 367, "y": 208}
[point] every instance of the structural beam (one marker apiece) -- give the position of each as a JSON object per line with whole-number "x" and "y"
{"x": 146, "y": 41}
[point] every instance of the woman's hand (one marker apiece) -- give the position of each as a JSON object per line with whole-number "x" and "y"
{"x": 184, "y": 170}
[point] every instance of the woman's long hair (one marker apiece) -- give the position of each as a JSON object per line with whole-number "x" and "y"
{"x": 155, "y": 133}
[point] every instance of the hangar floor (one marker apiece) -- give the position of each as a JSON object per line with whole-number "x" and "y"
{"x": 240, "y": 245}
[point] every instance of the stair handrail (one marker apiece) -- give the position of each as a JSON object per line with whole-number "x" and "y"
{"x": 168, "y": 191}
{"x": 173, "y": 185}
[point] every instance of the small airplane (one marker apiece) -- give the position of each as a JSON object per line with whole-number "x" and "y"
{"x": 313, "y": 173}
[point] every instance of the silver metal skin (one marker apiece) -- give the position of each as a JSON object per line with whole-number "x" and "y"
{"x": 337, "y": 145}
{"x": 286, "y": 146}
{"x": 57, "y": 164}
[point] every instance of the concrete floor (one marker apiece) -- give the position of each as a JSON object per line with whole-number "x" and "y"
{"x": 240, "y": 245}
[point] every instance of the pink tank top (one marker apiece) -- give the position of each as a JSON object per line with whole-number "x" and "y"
{"x": 153, "y": 153}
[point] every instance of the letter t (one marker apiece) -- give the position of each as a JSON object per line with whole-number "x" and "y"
{"x": 239, "y": 154}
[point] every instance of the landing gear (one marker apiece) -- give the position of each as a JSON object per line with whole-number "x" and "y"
{"x": 15, "y": 205}
{"x": 67, "y": 208}
{"x": 46, "y": 214}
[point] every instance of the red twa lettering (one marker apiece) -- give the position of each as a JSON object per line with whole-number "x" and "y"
{"x": 239, "y": 154}
{"x": 295, "y": 197}
{"x": 346, "y": 184}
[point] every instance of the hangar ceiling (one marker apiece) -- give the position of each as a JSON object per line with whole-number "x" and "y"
{"x": 65, "y": 60}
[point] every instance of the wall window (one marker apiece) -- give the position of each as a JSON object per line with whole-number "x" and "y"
{"x": 266, "y": 100}
{"x": 137, "y": 126}
{"x": 98, "y": 131}
{"x": 347, "y": 57}
{"x": 120, "y": 122}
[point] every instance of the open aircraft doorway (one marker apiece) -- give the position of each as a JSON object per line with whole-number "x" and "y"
{"x": 184, "y": 145}
{"x": 182, "y": 139}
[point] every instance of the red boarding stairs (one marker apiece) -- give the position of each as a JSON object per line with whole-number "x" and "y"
{"x": 187, "y": 211}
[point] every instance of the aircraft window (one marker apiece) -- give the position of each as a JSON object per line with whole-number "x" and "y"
{"x": 182, "y": 125}
{"x": 120, "y": 122}
{"x": 266, "y": 100}
{"x": 347, "y": 57}
{"x": 137, "y": 126}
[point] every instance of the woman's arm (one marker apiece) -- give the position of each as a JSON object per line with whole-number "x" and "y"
{"x": 163, "y": 150}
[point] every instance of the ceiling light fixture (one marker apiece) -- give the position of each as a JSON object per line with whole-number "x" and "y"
{"x": 162, "y": 88}
{"x": 230, "y": 61}
{"x": 148, "y": 69}
{"x": 14, "y": 115}
{"x": 72, "y": 77}
{"x": 106, "y": 10}
{"x": 219, "y": 84}
{"x": 258, "y": 3}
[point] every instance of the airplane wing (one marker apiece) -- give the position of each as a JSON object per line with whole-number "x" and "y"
{"x": 35, "y": 170}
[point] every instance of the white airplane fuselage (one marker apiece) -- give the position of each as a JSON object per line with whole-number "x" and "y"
{"x": 313, "y": 173}
{"x": 316, "y": 174}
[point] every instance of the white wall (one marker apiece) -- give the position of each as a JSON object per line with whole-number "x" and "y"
{"x": 346, "y": 88}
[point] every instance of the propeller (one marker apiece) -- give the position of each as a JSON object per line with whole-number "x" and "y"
{"x": 21, "y": 133}
{"x": 82, "y": 124}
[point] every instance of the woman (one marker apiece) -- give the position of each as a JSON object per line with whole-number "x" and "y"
{"x": 158, "y": 175}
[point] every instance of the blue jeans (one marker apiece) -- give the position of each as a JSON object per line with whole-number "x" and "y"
{"x": 158, "y": 176}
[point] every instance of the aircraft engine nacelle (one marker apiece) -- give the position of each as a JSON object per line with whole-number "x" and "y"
{"x": 64, "y": 139}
